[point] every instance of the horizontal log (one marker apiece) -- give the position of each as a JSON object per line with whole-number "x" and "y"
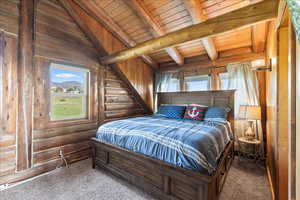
{"x": 246, "y": 16}
{"x": 9, "y": 7}
{"x": 53, "y": 153}
{"x": 116, "y": 84}
{"x": 7, "y": 171}
{"x": 123, "y": 113}
{"x": 7, "y": 140}
{"x": 61, "y": 34}
{"x": 116, "y": 91}
{"x": 118, "y": 99}
{"x": 217, "y": 63}
{"x": 120, "y": 106}
{"x": 53, "y": 132}
{"x": 42, "y": 144}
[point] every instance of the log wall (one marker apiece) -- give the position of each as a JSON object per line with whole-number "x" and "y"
{"x": 57, "y": 38}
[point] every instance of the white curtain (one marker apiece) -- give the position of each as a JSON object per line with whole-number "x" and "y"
{"x": 162, "y": 81}
{"x": 244, "y": 81}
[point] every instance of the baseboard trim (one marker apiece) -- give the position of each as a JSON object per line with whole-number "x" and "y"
{"x": 270, "y": 182}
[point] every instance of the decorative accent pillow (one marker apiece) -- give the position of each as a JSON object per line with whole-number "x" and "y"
{"x": 171, "y": 111}
{"x": 195, "y": 112}
{"x": 216, "y": 114}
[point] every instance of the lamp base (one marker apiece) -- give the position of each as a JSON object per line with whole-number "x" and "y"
{"x": 249, "y": 134}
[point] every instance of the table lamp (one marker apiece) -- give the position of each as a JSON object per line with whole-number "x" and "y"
{"x": 251, "y": 114}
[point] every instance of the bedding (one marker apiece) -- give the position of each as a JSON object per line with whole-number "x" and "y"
{"x": 190, "y": 144}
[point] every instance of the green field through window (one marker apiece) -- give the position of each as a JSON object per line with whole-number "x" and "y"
{"x": 67, "y": 107}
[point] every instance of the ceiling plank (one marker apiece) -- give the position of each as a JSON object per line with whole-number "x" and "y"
{"x": 196, "y": 11}
{"x": 246, "y": 16}
{"x": 102, "y": 17}
{"x": 259, "y": 33}
{"x": 217, "y": 63}
{"x": 141, "y": 11}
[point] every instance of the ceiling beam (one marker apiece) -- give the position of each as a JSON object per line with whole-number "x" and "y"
{"x": 217, "y": 63}
{"x": 195, "y": 9}
{"x": 259, "y": 34}
{"x": 242, "y": 17}
{"x": 140, "y": 9}
{"x": 102, "y": 17}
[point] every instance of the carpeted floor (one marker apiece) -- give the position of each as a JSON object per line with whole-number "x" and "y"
{"x": 245, "y": 181}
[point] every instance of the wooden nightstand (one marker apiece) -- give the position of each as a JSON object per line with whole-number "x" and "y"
{"x": 249, "y": 148}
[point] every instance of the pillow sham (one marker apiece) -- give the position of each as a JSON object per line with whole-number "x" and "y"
{"x": 171, "y": 111}
{"x": 195, "y": 112}
{"x": 216, "y": 114}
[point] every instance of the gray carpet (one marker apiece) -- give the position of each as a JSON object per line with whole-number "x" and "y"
{"x": 245, "y": 181}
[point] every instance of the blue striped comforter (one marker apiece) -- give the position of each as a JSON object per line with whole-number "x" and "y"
{"x": 194, "y": 145}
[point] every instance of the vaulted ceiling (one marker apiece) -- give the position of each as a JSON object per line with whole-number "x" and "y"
{"x": 136, "y": 21}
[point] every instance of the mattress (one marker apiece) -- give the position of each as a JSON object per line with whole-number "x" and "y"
{"x": 190, "y": 144}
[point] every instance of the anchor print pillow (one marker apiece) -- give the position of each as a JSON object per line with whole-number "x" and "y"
{"x": 195, "y": 112}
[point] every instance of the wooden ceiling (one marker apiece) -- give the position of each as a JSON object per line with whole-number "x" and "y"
{"x": 136, "y": 21}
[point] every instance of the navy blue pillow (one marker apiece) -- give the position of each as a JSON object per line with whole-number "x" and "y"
{"x": 175, "y": 112}
{"x": 216, "y": 114}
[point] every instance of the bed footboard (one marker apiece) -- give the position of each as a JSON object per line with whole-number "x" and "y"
{"x": 158, "y": 178}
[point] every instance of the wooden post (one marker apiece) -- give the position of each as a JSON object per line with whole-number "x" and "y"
{"x": 25, "y": 85}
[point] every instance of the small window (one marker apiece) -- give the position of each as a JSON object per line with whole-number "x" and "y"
{"x": 69, "y": 92}
{"x": 224, "y": 77}
{"x": 173, "y": 85}
{"x": 197, "y": 83}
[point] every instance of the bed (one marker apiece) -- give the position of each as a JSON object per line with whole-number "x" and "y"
{"x": 170, "y": 158}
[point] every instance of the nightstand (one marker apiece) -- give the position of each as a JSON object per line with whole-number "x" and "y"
{"x": 249, "y": 148}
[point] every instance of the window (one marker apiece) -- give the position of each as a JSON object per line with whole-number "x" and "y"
{"x": 69, "y": 92}
{"x": 224, "y": 77}
{"x": 173, "y": 85}
{"x": 197, "y": 83}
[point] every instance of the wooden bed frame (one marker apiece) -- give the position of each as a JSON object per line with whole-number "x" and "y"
{"x": 164, "y": 180}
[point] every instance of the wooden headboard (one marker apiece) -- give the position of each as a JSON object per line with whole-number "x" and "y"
{"x": 224, "y": 98}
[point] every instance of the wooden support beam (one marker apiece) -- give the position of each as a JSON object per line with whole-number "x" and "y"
{"x": 195, "y": 9}
{"x": 86, "y": 25}
{"x": 259, "y": 36}
{"x": 203, "y": 64}
{"x": 141, "y": 11}
{"x": 242, "y": 17}
{"x": 25, "y": 85}
{"x": 102, "y": 17}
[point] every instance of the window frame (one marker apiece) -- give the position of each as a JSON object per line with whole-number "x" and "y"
{"x": 186, "y": 82}
{"x": 85, "y": 106}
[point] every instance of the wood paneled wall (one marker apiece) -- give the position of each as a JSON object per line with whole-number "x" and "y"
{"x": 271, "y": 100}
{"x": 282, "y": 113}
{"x": 136, "y": 71}
{"x": 280, "y": 106}
{"x": 297, "y": 161}
{"x": 57, "y": 38}
{"x": 8, "y": 103}
{"x": 118, "y": 100}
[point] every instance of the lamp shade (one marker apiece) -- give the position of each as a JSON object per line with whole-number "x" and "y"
{"x": 250, "y": 112}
